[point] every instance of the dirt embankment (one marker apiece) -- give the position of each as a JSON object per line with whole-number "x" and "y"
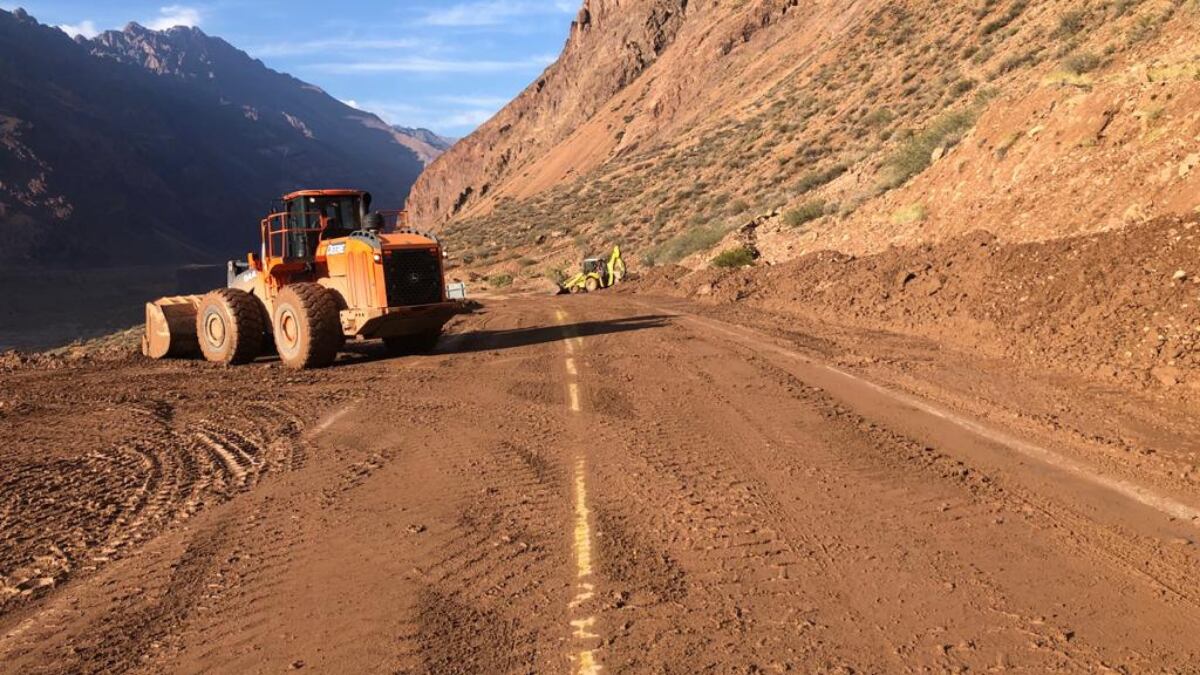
{"x": 1122, "y": 306}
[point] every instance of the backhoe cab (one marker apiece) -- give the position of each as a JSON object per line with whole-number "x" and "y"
{"x": 327, "y": 270}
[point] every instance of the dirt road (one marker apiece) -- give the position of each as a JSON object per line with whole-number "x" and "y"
{"x": 596, "y": 484}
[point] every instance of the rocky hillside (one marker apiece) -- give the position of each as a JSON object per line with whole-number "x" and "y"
{"x": 144, "y": 147}
{"x": 855, "y": 125}
{"x": 427, "y": 144}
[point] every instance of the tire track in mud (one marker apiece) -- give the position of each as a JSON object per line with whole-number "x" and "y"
{"x": 775, "y": 569}
{"x": 1170, "y": 569}
{"x": 681, "y": 532}
{"x": 903, "y": 466}
{"x": 487, "y": 584}
{"x": 164, "y": 469}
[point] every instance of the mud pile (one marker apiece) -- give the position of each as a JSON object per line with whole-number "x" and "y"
{"x": 1121, "y": 305}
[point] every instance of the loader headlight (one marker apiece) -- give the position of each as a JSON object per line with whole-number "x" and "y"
{"x": 378, "y": 258}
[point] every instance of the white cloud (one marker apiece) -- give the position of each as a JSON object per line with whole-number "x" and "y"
{"x": 419, "y": 64}
{"x": 493, "y": 102}
{"x": 346, "y": 44}
{"x": 466, "y": 118}
{"x": 491, "y": 12}
{"x": 174, "y": 15}
{"x": 86, "y": 28}
{"x": 392, "y": 112}
{"x": 450, "y": 119}
{"x": 352, "y": 103}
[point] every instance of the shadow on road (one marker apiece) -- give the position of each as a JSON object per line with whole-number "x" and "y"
{"x": 489, "y": 340}
{"x": 494, "y": 340}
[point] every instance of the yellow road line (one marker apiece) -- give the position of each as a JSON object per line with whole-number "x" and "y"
{"x": 573, "y": 390}
{"x": 587, "y": 663}
{"x": 583, "y": 530}
{"x": 583, "y": 627}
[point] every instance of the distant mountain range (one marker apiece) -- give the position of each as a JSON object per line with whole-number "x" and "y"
{"x": 149, "y": 147}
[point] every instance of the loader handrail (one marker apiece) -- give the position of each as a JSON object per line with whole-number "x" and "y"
{"x": 277, "y": 235}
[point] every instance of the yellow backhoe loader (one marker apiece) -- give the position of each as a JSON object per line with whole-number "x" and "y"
{"x": 597, "y": 273}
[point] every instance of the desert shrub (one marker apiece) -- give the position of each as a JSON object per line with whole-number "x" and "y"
{"x": 739, "y": 256}
{"x": 686, "y": 243}
{"x": 500, "y": 280}
{"x": 961, "y": 87}
{"x": 913, "y": 213}
{"x": 1016, "y": 61}
{"x": 878, "y": 117}
{"x": 805, "y": 213}
{"x": 1008, "y": 17}
{"x": 738, "y": 206}
{"x": 915, "y": 154}
{"x": 816, "y": 179}
{"x": 1121, "y": 7}
{"x": 1082, "y": 62}
{"x": 1071, "y": 23}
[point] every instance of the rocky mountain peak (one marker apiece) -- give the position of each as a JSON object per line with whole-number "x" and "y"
{"x": 182, "y": 51}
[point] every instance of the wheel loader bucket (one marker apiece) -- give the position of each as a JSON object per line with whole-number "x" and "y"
{"x": 171, "y": 328}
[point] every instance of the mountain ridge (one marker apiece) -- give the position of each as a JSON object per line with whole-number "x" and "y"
{"x": 149, "y": 147}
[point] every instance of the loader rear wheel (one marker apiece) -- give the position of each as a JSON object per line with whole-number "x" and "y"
{"x": 308, "y": 332}
{"x": 229, "y": 326}
{"x": 592, "y": 285}
{"x": 421, "y": 343}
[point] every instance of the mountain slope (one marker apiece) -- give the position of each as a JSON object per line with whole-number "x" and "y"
{"x": 869, "y": 123}
{"x": 427, "y": 144}
{"x": 143, "y": 147}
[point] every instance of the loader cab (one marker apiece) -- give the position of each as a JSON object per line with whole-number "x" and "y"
{"x": 304, "y": 219}
{"x": 593, "y": 266}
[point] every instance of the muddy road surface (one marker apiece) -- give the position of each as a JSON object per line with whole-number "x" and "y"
{"x": 598, "y": 484}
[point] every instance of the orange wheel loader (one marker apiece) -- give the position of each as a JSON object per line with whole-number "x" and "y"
{"x": 329, "y": 270}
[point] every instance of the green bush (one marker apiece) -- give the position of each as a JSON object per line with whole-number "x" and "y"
{"x": 1081, "y": 62}
{"x": 686, "y": 243}
{"x": 913, "y": 213}
{"x": 816, "y": 179}
{"x": 1071, "y": 23}
{"x": 734, "y": 257}
{"x": 1008, "y": 17}
{"x": 500, "y": 280}
{"x": 878, "y": 118}
{"x": 916, "y": 154}
{"x": 805, "y": 213}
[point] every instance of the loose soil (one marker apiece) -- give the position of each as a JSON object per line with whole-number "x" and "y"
{"x": 763, "y": 492}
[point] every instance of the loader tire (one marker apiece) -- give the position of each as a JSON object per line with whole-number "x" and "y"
{"x": 592, "y": 285}
{"x": 308, "y": 331}
{"x": 229, "y": 326}
{"x": 421, "y": 343}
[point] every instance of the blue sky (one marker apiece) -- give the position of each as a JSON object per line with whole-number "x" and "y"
{"x": 447, "y": 66}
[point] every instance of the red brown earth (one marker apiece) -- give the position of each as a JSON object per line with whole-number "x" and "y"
{"x": 889, "y": 123}
{"x": 750, "y": 491}
{"x": 1120, "y": 308}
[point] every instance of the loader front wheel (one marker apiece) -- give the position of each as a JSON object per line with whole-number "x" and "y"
{"x": 229, "y": 326}
{"x": 308, "y": 332}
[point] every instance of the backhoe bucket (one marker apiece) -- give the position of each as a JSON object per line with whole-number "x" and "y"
{"x": 171, "y": 328}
